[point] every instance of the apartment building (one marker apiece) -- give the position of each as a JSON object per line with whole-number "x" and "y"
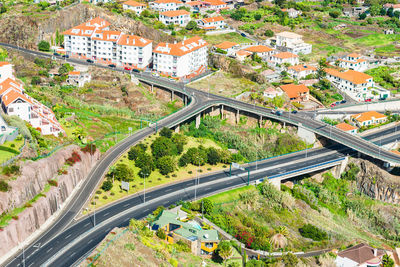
{"x": 176, "y": 17}
{"x": 292, "y": 42}
{"x": 184, "y": 59}
{"x": 284, "y": 57}
{"x": 165, "y": 5}
{"x": 5, "y": 71}
{"x": 353, "y": 61}
{"x": 262, "y": 51}
{"x": 134, "y": 6}
{"x": 96, "y": 42}
{"x": 301, "y": 71}
{"x": 213, "y": 23}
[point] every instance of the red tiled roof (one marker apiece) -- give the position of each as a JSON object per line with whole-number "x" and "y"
{"x": 133, "y": 40}
{"x": 353, "y": 76}
{"x": 168, "y": 1}
{"x": 175, "y": 13}
{"x": 213, "y": 19}
{"x": 13, "y": 95}
{"x": 225, "y": 45}
{"x": 301, "y": 67}
{"x": 133, "y": 3}
{"x": 284, "y": 55}
{"x": 345, "y": 127}
{"x": 259, "y": 49}
{"x": 215, "y": 2}
{"x": 4, "y": 63}
{"x": 293, "y": 90}
{"x": 181, "y": 48}
{"x": 367, "y": 116}
{"x": 110, "y": 36}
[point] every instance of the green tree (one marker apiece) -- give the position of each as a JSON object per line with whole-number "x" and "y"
{"x": 145, "y": 160}
{"x": 362, "y": 16}
{"x": 163, "y": 146}
{"x": 4, "y": 186}
{"x": 375, "y": 10}
{"x": 334, "y": 13}
{"x": 35, "y": 80}
{"x": 122, "y": 172}
{"x": 322, "y": 64}
{"x": 180, "y": 141}
{"x": 166, "y": 165}
{"x": 44, "y": 46}
{"x": 269, "y": 33}
{"x": 65, "y": 69}
{"x": 192, "y": 25}
{"x": 213, "y": 156}
{"x": 135, "y": 151}
{"x": 208, "y": 206}
{"x": 387, "y": 261}
{"x": 225, "y": 250}
{"x": 107, "y": 185}
{"x": 166, "y": 132}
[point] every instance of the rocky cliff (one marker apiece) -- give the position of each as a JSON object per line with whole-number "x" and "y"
{"x": 34, "y": 176}
{"x": 377, "y": 183}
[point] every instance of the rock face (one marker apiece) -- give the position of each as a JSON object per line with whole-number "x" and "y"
{"x": 34, "y": 176}
{"x": 377, "y": 183}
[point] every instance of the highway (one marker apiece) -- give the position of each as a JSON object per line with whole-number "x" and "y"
{"x": 56, "y": 238}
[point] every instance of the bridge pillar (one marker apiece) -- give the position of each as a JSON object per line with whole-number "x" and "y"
{"x": 308, "y": 136}
{"x": 260, "y": 121}
{"x": 276, "y": 182}
{"x": 198, "y": 119}
{"x": 338, "y": 170}
{"x": 222, "y": 112}
{"x": 177, "y": 128}
{"x": 172, "y": 96}
{"x": 152, "y": 88}
{"x": 237, "y": 116}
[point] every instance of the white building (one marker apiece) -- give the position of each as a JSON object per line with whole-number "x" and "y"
{"x": 216, "y": 5}
{"x": 271, "y": 92}
{"x": 262, "y": 51}
{"x": 78, "y": 78}
{"x": 353, "y": 61}
{"x": 184, "y": 59}
{"x": 134, "y": 6}
{"x": 213, "y": 23}
{"x": 292, "y": 13}
{"x": 301, "y": 71}
{"x": 165, "y": 5}
{"x": 292, "y": 42}
{"x": 227, "y": 46}
{"x": 98, "y": 43}
{"x": 6, "y": 71}
{"x": 360, "y": 255}
{"x": 176, "y": 17}
{"x": 284, "y": 57}
{"x": 95, "y": 2}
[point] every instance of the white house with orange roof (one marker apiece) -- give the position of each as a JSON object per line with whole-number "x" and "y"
{"x": 6, "y": 71}
{"x": 78, "y": 78}
{"x": 368, "y": 118}
{"x": 345, "y": 127}
{"x": 301, "y": 71}
{"x": 292, "y": 42}
{"x": 165, "y": 5}
{"x": 134, "y": 51}
{"x": 227, "y": 46}
{"x": 242, "y": 55}
{"x": 134, "y": 6}
{"x": 353, "y": 61}
{"x": 105, "y": 46}
{"x": 284, "y": 57}
{"x": 175, "y": 17}
{"x": 214, "y": 5}
{"x": 262, "y": 51}
{"x": 213, "y": 23}
{"x": 184, "y": 59}
{"x": 194, "y": 6}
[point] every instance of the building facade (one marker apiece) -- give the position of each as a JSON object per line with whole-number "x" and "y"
{"x": 165, "y": 5}
{"x": 292, "y": 42}
{"x": 176, "y": 17}
{"x": 301, "y": 71}
{"x": 134, "y": 6}
{"x": 213, "y": 23}
{"x": 353, "y": 61}
{"x": 284, "y": 57}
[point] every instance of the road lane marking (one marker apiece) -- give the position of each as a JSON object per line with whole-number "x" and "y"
{"x": 106, "y": 214}
{"x": 90, "y": 241}
{"x": 146, "y": 210}
{"x": 168, "y": 190}
{"x": 49, "y": 250}
{"x": 72, "y": 254}
{"x": 86, "y": 224}
{"x": 31, "y": 264}
{"x": 126, "y": 205}
{"x": 67, "y": 236}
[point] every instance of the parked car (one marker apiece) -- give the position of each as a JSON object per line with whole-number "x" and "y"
{"x": 343, "y": 101}
{"x": 368, "y": 100}
{"x": 65, "y": 56}
{"x": 294, "y": 111}
{"x": 89, "y": 61}
{"x": 333, "y": 105}
{"x": 135, "y": 70}
{"x": 273, "y": 111}
{"x": 56, "y": 54}
{"x": 243, "y": 34}
{"x": 112, "y": 65}
{"x": 127, "y": 68}
{"x": 279, "y": 113}
{"x": 337, "y": 102}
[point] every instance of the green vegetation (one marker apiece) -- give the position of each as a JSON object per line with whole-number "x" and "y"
{"x": 383, "y": 75}
{"x": 232, "y": 37}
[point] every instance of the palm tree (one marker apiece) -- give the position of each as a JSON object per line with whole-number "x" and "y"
{"x": 225, "y": 250}
{"x": 279, "y": 239}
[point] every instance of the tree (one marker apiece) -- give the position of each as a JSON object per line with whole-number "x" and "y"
{"x": 107, "y": 185}
{"x": 35, "y": 80}
{"x": 290, "y": 260}
{"x": 135, "y": 151}
{"x": 213, "y": 156}
{"x": 374, "y": 10}
{"x": 225, "y": 250}
{"x": 166, "y": 132}
{"x": 208, "y": 206}
{"x": 3, "y": 9}
{"x": 145, "y": 160}
{"x": 387, "y": 261}
{"x": 269, "y": 33}
{"x": 180, "y": 141}
{"x": 44, "y": 46}
{"x": 166, "y": 165}
{"x": 163, "y": 146}
{"x": 362, "y": 16}
{"x": 122, "y": 172}
{"x": 192, "y": 25}
{"x": 310, "y": 231}
{"x": 65, "y": 69}
{"x": 322, "y": 64}
{"x": 334, "y": 13}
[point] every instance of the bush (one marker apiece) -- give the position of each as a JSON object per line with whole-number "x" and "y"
{"x": 4, "y": 186}
{"x": 74, "y": 158}
{"x": 89, "y": 148}
{"x": 166, "y": 132}
{"x": 161, "y": 234}
{"x": 52, "y": 182}
{"x": 44, "y": 46}
{"x": 36, "y": 80}
{"x": 10, "y": 169}
{"x": 213, "y": 156}
{"x": 135, "y": 151}
{"x": 105, "y": 197}
{"x": 334, "y": 13}
{"x": 107, "y": 185}
{"x": 310, "y": 231}
{"x": 219, "y": 50}
{"x": 269, "y": 33}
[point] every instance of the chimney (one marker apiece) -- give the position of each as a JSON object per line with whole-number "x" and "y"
{"x": 375, "y": 252}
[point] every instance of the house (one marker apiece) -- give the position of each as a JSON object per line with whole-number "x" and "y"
{"x": 227, "y": 46}
{"x": 354, "y": 83}
{"x": 368, "y": 118}
{"x": 78, "y": 78}
{"x": 201, "y": 242}
{"x": 345, "y": 127}
{"x": 354, "y": 11}
{"x": 216, "y": 5}
{"x": 183, "y": 59}
{"x": 301, "y": 71}
{"x": 262, "y": 51}
{"x": 95, "y": 2}
{"x": 296, "y": 93}
{"x": 93, "y": 40}
{"x": 213, "y": 23}
{"x": 292, "y": 13}
{"x": 7, "y": 133}
{"x": 396, "y": 7}
{"x": 271, "y": 75}
{"x": 309, "y": 82}
{"x": 353, "y": 61}
{"x": 175, "y": 17}
{"x": 194, "y": 6}
{"x": 284, "y": 57}
{"x": 271, "y": 92}
{"x": 360, "y": 255}
{"x": 388, "y": 31}
{"x": 242, "y": 55}
{"x": 134, "y": 6}
{"x": 165, "y": 5}
{"x": 6, "y": 71}
{"x": 292, "y": 42}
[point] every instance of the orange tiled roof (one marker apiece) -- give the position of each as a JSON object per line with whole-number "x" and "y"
{"x": 215, "y": 2}
{"x": 345, "y": 127}
{"x": 356, "y": 61}
{"x": 293, "y": 90}
{"x": 302, "y": 67}
{"x": 284, "y": 55}
{"x": 243, "y": 53}
{"x": 87, "y": 28}
{"x": 225, "y": 45}
{"x": 367, "y": 116}
{"x": 4, "y": 63}
{"x": 168, "y": 1}
{"x": 258, "y": 49}
{"x": 97, "y": 21}
{"x": 175, "y": 13}
{"x": 353, "y": 76}
{"x": 194, "y": 3}
{"x": 13, "y": 95}
{"x": 133, "y": 40}
{"x": 213, "y": 19}
{"x": 10, "y": 83}
{"x": 396, "y": 152}
{"x": 110, "y": 36}
{"x": 74, "y": 73}
{"x": 133, "y": 3}
{"x": 354, "y": 55}
{"x": 181, "y": 48}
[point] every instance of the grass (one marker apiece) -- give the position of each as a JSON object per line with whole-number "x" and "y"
{"x": 230, "y": 195}
{"x": 386, "y": 49}
{"x": 377, "y": 39}
{"x": 232, "y": 37}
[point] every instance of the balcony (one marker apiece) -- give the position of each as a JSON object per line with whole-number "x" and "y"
{"x": 209, "y": 247}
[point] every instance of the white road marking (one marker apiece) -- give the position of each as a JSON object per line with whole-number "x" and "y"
{"x": 168, "y": 190}
{"x": 31, "y": 264}
{"x": 86, "y": 224}
{"x": 208, "y": 188}
{"x": 72, "y": 254}
{"x": 67, "y": 236}
{"x": 90, "y": 241}
{"x": 106, "y": 214}
{"x": 49, "y": 250}
{"x": 146, "y": 210}
{"x": 126, "y": 205}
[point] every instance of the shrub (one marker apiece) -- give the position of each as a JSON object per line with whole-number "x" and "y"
{"x": 166, "y": 165}
{"x": 74, "y": 158}
{"x": 11, "y": 169}
{"x": 213, "y": 156}
{"x": 182, "y": 246}
{"x": 44, "y": 46}
{"x": 161, "y": 234}
{"x": 4, "y": 186}
{"x": 135, "y": 151}
{"x": 269, "y": 33}
{"x": 107, "y": 185}
{"x": 15, "y": 217}
{"x": 310, "y": 231}
{"x": 105, "y": 197}
{"x": 52, "y": 182}
{"x": 166, "y": 132}
{"x": 89, "y": 148}
{"x": 98, "y": 192}
{"x": 12, "y": 145}
{"x": 28, "y": 205}
{"x": 112, "y": 194}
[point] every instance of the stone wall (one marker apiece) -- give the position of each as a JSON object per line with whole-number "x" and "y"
{"x": 34, "y": 176}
